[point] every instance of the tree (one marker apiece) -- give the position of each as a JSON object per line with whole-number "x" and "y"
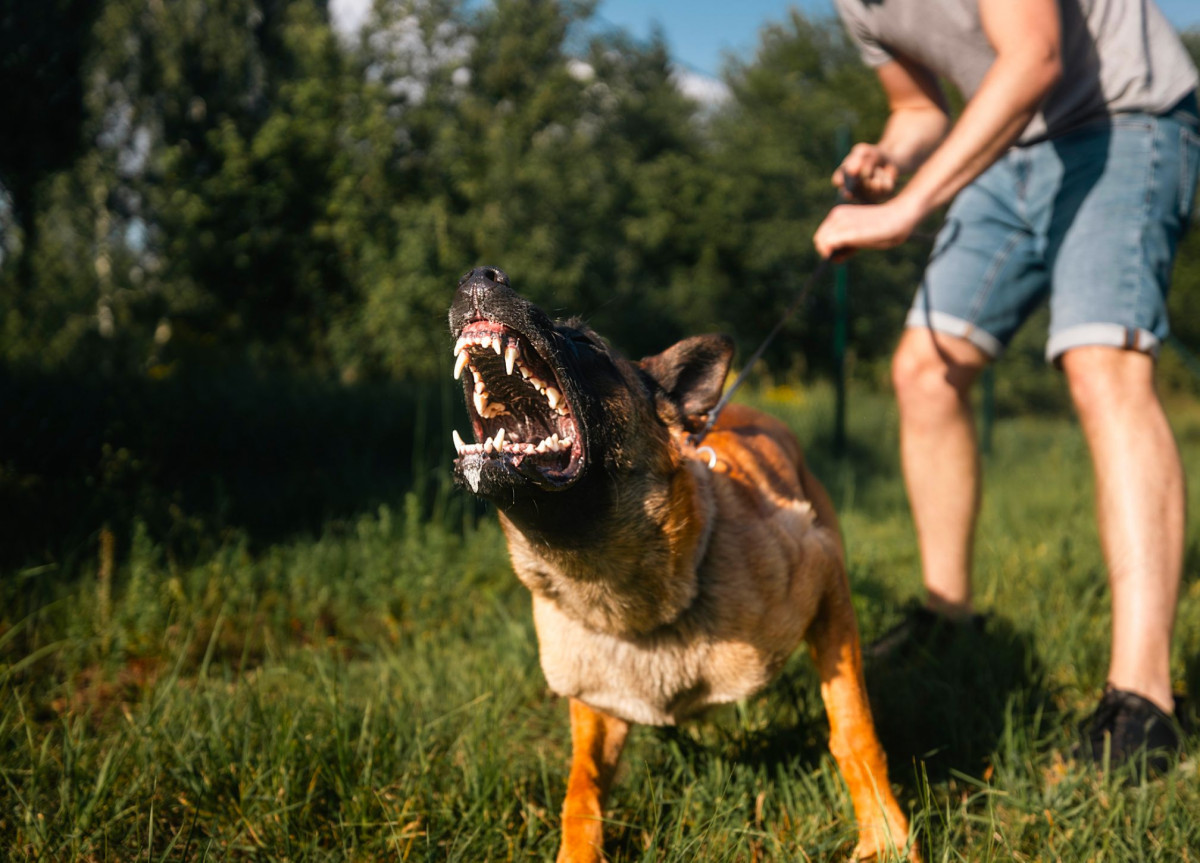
{"x": 43, "y": 47}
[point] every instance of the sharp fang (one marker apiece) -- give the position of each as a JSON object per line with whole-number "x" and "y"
{"x": 460, "y": 345}
{"x": 499, "y": 348}
{"x": 459, "y": 446}
{"x": 487, "y": 445}
{"x": 498, "y": 440}
{"x": 510, "y": 357}
{"x": 553, "y": 396}
{"x": 480, "y": 403}
{"x": 460, "y": 364}
{"x": 480, "y": 386}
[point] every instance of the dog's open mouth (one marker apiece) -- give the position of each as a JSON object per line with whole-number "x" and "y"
{"x": 520, "y": 415}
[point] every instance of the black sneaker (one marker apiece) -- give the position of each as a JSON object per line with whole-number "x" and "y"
{"x": 1133, "y": 730}
{"x": 923, "y": 629}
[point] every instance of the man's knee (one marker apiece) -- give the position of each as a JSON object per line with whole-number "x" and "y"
{"x": 931, "y": 371}
{"x": 1104, "y": 379}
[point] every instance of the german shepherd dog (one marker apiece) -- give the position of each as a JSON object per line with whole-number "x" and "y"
{"x": 665, "y": 578}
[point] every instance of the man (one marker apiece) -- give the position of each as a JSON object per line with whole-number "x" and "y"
{"x": 1072, "y": 170}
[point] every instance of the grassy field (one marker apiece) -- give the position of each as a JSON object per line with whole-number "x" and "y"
{"x": 373, "y": 692}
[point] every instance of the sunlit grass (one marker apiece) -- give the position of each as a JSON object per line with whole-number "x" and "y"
{"x": 374, "y": 693}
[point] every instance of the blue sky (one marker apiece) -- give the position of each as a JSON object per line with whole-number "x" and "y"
{"x": 700, "y": 31}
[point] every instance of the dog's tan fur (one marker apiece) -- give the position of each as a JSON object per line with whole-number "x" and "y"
{"x": 714, "y": 578}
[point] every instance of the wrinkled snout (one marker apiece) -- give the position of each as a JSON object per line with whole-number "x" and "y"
{"x": 479, "y": 291}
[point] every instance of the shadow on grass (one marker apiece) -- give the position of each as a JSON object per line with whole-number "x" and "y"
{"x": 944, "y": 707}
{"x": 941, "y": 709}
{"x": 197, "y": 455}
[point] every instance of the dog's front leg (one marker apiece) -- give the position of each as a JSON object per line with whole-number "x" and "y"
{"x": 833, "y": 638}
{"x": 596, "y": 743}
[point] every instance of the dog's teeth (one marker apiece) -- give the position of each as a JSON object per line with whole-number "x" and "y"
{"x": 553, "y": 396}
{"x": 497, "y": 346}
{"x": 485, "y": 342}
{"x": 480, "y": 403}
{"x": 459, "y": 446}
{"x": 498, "y": 440}
{"x": 525, "y": 371}
{"x": 541, "y": 446}
{"x": 487, "y": 445}
{"x": 510, "y": 357}
{"x": 566, "y": 442}
{"x": 460, "y": 363}
{"x": 480, "y": 387}
{"x": 460, "y": 345}
{"x": 561, "y": 411}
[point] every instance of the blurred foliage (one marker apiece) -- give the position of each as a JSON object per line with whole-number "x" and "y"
{"x": 200, "y": 184}
{"x": 233, "y": 183}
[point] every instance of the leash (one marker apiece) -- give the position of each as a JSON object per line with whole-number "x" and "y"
{"x": 802, "y": 295}
{"x": 848, "y": 193}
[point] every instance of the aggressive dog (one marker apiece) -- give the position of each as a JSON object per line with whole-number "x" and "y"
{"x": 665, "y": 578}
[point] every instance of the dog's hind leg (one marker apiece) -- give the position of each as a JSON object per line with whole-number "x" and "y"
{"x": 833, "y": 639}
{"x": 596, "y": 742}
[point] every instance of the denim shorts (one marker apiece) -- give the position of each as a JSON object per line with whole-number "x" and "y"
{"x": 1090, "y": 219}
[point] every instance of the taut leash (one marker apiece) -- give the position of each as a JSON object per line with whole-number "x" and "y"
{"x": 801, "y": 296}
{"x": 848, "y": 193}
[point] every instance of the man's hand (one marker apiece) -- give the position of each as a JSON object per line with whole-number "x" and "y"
{"x": 866, "y": 175}
{"x": 1026, "y": 36}
{"x": 851, "y": 227}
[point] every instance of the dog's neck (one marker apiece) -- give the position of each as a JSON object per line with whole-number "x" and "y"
{"x": 635, "y": 569}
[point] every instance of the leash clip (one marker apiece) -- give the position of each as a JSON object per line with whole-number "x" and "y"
{"x": 712, "y": 456}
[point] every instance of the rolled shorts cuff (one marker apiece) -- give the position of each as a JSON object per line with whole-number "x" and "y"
{"x": 1102, "y": 335}
{"x": 952, "y": 326}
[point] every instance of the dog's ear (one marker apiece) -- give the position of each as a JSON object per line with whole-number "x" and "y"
{"x": 692, "y": 372}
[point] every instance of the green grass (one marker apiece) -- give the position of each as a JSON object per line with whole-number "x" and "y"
{"x": 373, "y": 693}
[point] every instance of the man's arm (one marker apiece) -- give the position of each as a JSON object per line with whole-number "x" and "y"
{"x": 1026, "y": 37}
{"x": 917, "y": 123}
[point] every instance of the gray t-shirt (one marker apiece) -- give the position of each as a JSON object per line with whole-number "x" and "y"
{"x": 1118, "y": 55}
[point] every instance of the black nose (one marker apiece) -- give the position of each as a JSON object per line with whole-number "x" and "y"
{"x": 485, "y": 278}
{"x": 481, "y": 282}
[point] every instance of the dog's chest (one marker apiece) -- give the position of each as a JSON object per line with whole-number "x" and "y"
{"x": 755, "y": 604}
{"x": 658, "y": 679}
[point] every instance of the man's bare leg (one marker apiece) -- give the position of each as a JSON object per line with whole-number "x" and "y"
{"x": 1140, "y": 506}
{"x": 932, "y": 374}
